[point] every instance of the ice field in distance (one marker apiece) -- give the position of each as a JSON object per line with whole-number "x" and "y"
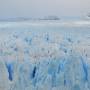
{"x": 45, "y": 55}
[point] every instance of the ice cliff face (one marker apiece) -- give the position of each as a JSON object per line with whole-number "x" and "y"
{"x": 44, "y": 61}
{"x": 67, "y": 73}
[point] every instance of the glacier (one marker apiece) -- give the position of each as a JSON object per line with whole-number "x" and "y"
{"x": 44, "y": 56}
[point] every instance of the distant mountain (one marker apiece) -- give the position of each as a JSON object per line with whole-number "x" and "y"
{"x": 27, "y": 19}
{"x": 51, "y": 18}
{"x": 89, "y": 15}
{"x": 16, "y": 19}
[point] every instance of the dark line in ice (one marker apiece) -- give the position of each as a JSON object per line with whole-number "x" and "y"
{"x": 85, "y": 70}
{"x": 10, "y": 71}
{"x": 34, "y": 72}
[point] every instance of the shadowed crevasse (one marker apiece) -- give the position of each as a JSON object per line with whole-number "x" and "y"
{"x": 34, "y": 72}
{"x": 85, "y": 70}
{"x": 10, "y": 71}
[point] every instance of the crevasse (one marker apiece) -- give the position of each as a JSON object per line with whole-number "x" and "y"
{"x": 44, "y": 61}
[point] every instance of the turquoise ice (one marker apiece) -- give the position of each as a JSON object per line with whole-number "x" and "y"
{"x": 44, "y": 56}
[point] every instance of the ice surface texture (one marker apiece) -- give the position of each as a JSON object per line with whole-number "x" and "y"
{"x": 44, "y": 60}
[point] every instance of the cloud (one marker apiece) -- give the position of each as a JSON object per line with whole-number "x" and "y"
{"x": 29, "y": 8}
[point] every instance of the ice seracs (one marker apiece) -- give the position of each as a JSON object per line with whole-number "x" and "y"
{"x": 43, "y": 60}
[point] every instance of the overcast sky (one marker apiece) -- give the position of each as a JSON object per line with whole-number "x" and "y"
{"x": 38, "y": 8}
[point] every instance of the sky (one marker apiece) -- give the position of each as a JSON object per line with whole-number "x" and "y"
{"x": 40, "y": 8}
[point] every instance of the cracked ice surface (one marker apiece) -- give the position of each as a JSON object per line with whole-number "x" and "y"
{"x": 44, "y": 58}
